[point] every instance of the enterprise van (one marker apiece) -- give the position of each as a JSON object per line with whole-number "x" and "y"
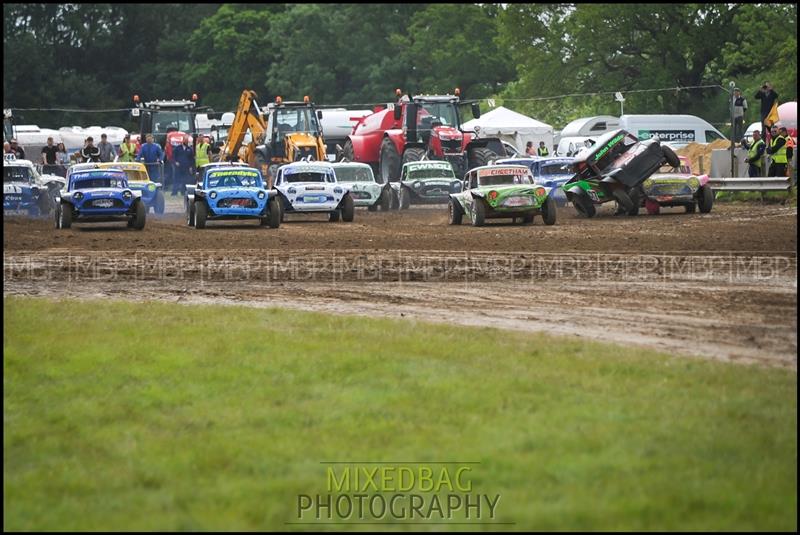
{"x": 677, "y": 130}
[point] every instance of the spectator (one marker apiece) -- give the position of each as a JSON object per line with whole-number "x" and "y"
{"x": 755, "y": 155}
{"x": 739, "y": 109}
{"x": 17, "y": 150}
{"x": 63, "y": 160}
{"x": 202, "y": 152}
{"x": 90, "y": 153}
{"x": 777, "y": 149}
{"x": 49, "y": 156}
{"x": 152, "y": 156}
{"x": 768, "y": 97}
{"x": 542, "y": 150}
{"x": 127, "y": 150}
{"x": 183, "y": 158}
{"x": 106, "y": 149}
{"x": 529, "y": 149}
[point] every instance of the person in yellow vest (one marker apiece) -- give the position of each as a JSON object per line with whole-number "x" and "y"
{"x": 755, "y": 155}
{"x": 127, "y": 150}
{"x": 202, "y": 152}
{"x": 542, "y": 150}
{"x": 777, "y": 149}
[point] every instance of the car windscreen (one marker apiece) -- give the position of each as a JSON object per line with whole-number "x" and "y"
{"x": 164, "y": 120}
{"x": 431, "y": 172}
{"x": 16, "y": 174}
{"x": 556, "y": 168}
{"x": 354, "y": 174}
{"x": 306, "y": 176}
{"x": 504, "y": 177}
{"x": 87, "y": 183}
{"x": 233, "y": 179}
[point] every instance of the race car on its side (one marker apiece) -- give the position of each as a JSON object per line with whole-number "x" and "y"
{"x": 311, "y": 187}
{"x": 364, "y": 187}
{"x": 501, "y": 191}
{"x": 25, "y": 191}
{"x": 232, "y": 192}
{"x": 676, "y": 186}
{"x": 552, "y": 172}
{"x": 613, "y": 167}
{"x": 425, "y": 182}
{"x": 99, "y": 195}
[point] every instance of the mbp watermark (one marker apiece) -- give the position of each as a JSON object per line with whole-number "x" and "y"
{"x": 394, "y": 493}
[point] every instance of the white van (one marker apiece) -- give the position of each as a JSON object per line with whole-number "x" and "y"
{"x": 590, "y": 126}
{"x": 677, "y": 130}
{"x": 572, "y": 145}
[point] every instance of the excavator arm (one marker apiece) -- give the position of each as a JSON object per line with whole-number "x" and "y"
{"x": 248, "y": 117}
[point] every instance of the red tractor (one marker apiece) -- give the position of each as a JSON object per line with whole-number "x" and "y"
{"x": 422, "y": 127}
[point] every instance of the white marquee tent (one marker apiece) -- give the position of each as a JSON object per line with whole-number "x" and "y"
{"x": 513, "y": 127}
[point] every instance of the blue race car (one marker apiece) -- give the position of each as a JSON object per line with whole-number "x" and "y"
{"x": 99, "y": 195}
{"x": 551, "y": 172}
{"x": 232, "y": 192}
{"x": 21, "y": 192}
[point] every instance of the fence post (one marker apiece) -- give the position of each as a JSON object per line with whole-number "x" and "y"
{"x": 701, "y": 165}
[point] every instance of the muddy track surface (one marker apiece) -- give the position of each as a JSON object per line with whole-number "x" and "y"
{"x": 720, "y": 286}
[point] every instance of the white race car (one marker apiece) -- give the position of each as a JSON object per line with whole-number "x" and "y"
{"x": 27, "y": 191}
{"x": 311, "y": 187}
{"x": 363, "y": 186}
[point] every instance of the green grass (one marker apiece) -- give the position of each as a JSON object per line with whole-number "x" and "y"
{"x": 160, "y": 416}
{"x": 769, "y": 197}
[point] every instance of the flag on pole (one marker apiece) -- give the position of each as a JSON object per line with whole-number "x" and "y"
{"x": 772, "y": 116}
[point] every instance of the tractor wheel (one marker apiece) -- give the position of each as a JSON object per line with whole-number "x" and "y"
{"x": 624, "y": 202}
{"x": 333, "y": 217}
{"x": 273, "y": 213}
{"x": 479, "y": 213}
{"x": 390, "y": 162}
{"x": 480, "y": 156}
{"x": 455, "y": 212}
{"x": 348, "y": 152}
{"x": 583, "y": 204}
{"x": 705, "y": 199}
{"x": 386, "y": 199}
{"x": 261, "y": 164}
{"x": 200, "y": 215}
{"x": 158, "y": 203}
{"x": 413, "y": 155}
{"x": 348, "y": 209}
{"x": 137, "y": 223}
{"x": 549, "y": 211}
{"x": 405, "y": 198}
{"x": 670, "y": 156}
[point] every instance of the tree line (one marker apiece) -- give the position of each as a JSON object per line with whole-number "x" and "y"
{"x": 96, "y": 56}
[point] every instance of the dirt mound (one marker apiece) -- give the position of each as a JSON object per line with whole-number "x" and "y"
{"x": 695, "y": 151}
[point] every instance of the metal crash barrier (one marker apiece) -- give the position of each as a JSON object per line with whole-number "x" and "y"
{"x": 774, "y": 183}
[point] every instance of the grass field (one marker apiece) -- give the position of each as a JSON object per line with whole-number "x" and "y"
{"x": 158, "y": 416}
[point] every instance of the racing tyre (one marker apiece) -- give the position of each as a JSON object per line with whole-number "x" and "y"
{"x": 44, "y": 204}
{"x": 480, "y": 156}
{"x": 705, "y": 199}
{"x": 583, "y": 204}
{"x": 273, "y": 218}
{"x": 690, "y": 208}
{"x": 549, "y": 211}
{"x": 158, "y": 203}
{"x": 670, "y": 156}
{"x": 333, "y": 217}
{"x": 386, "y": 200}
{"x": 394, "y": 202}
{"x": 479, "y": 213}
{"x": 527, "y": 219}
{"x": 413, "y": 155}
{"x": 624, "y": 202}
{"x": 190, "y": 214}
{"x": 636, "y": 199}
{"x": 373, "y": 207}
{"x": 652, "y": 207}
{"x": 200, "y": 215}
{"x": 390, "y": 161}
{"x": 405, "y": 198}
{"x": 455, "y": 212}
{"x": 64, "y": 215}
{"x": 137, "y": 223}
{"x": 348, "y": 209}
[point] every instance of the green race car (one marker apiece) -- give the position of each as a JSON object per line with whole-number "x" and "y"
{"x": 501, "y": 191}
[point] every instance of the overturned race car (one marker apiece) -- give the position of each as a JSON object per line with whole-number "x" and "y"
{"x": 311, "y": 187}
{"x": 501, "y": 191}
{"x": 364, "y": 187}
{"x": 425, "y": 182}
{"x": 25, "y": 191}
{"x": 99, "y": 195}
{"x": 676, "y": 186}
{"x": 230, "y": 193}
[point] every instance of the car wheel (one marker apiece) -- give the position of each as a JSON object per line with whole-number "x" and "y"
{"x": 624, "y": 202}
{"x": 394, "y": 202}
{"x": 65, "y": 215}
{"x": 478, "y": 213}
{"x": 274, "y": 213}
{"x": 44, "y": 204}
{"x": 549, "y": 211}
{"x": 190, "y": 214}
{"x": 158, "y": 203}
{"x": 200, "y": 214}
{"x": 670, "y": 156}
{"x": 373, "y": 207}
{"x": 386, "y": 199}
{"x": 455, "y": 212}
{"x": 348, "y": 209}
{"x": 705, "y": 199}
{"x": 583, "y": 204}
{"x": 405, "y": 198}
{"x": 140, "y": 216}
{"x": 690, "y": 208}
{"x": 333, "y": 217}
{"x": 636, "y": 199}
{"x": 652, "y": 207}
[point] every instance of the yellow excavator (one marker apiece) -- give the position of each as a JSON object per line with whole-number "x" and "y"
{"x": 283, "y": 132}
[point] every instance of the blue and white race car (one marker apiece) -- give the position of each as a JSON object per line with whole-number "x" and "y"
{"x": 364, "y": 187}
{"x": 551, "y": 172}
{"x": 25, "y": 191}
{"x": 99, "y": 195}
{"x": 311, "y": 187}
{"x": 232, "y": 192}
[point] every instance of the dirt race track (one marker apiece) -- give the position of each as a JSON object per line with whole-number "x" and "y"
{"x": 721, "y": 285}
